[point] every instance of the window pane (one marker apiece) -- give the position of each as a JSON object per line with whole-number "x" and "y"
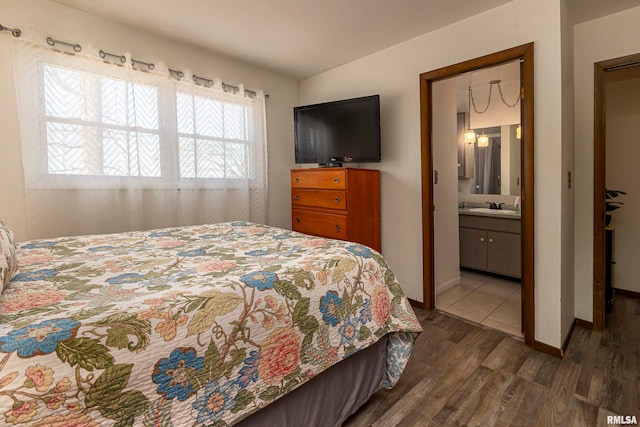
{"x": 65, "y": 151}
{"x": 65, "y": 93}
{"x": 234, "y": 121}
{"x": 215, "y": 122}
{"x": 236, "y": 160}
{"x": 114, "y": 102}
{"x": 208, "y": 117}
{"x": 115, "y": 153}
{"x": 131, "y": 154}
{"x": 128, "y": 104}
{"x": 210, "y": 159}
{"x": 145, "y": 107}
{"x": 185, "y": 113}
{"x": 145, "y": 154}
{"x": 187, "y": 158}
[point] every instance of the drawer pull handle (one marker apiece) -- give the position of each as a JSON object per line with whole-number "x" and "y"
{"x": 298, "y": 220}
{"x": 336, "y": 180}
{"x": 297, "y": 179}
{"x": 490, "y": 240}
{"x": 297, "y": 197}
{"x": 337, "y": 199}
{"x": 482, "y": 239}
{"x": 337, "y": 228}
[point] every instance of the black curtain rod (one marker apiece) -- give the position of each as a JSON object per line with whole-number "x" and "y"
{"x": 16, "y": 32}
{"x": 52, "y": 42}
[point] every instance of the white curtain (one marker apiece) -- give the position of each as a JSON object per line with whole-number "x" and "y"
{"x": 110, "y": 144}
{"x": 486, "y": 178}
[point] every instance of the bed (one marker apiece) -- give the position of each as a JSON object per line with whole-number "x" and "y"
{"x": 232, "y": 323}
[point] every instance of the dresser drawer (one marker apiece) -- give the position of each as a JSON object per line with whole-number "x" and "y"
{"x": 319, "y": 198}
{"x": 322, "y": 178}
{"x": 319, "y": 224}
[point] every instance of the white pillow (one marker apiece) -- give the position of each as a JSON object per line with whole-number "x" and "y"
{"x": 8, "y": 258}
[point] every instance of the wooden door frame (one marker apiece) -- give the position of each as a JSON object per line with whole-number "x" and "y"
{"x": 599, "y": 178}
{"x": 523, "y": 53}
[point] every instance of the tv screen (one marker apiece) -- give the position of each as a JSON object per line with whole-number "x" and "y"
{"x": 338, "y": 131}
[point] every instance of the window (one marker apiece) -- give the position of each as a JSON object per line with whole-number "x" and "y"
{"x": 100, "y": 126}
{"x": 127, "y": 149}
{"x": 214, "y": 138}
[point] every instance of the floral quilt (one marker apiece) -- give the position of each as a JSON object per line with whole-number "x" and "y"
{"x": 198, "y": 325}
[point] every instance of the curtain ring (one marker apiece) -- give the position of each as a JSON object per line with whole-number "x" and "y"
{"x": 15, "y": 32}
{"x": 104, "y": 54}
{"x": 52, "y": 42}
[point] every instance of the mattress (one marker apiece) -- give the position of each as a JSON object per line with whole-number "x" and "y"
{"x": 200, "y": 325}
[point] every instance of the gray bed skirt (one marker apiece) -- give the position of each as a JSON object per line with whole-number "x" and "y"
{"x": 331, "y": 397}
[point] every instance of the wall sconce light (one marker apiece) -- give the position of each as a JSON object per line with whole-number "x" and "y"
{"x": 483, "y": 141}
{"x": 470, "y": 136}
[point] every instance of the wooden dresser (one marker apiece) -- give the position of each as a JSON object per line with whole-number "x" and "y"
{"x": 338, "y": 203}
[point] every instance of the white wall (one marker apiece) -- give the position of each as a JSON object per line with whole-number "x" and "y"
{"x": 568, "y": 252}
{"x": 623, "y": 152}
{"x": 70, "y": 24}
{"x": 394, "y": 74}
{"x": 445, "y": 197}
{"x": 606, "y": 38}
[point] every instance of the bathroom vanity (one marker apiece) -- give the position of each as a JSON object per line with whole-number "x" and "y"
{"x": 490, "y": 241}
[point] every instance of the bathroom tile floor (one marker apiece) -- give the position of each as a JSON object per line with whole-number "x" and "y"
{"x": 484, "y": 300}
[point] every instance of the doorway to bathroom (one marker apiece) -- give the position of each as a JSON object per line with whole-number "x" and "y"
{"x": 522, "y": 56}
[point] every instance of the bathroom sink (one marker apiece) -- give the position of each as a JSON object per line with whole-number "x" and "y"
{"x": 494, "y": 211}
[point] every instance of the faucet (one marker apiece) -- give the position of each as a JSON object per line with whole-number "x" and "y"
{"x": 494, "y": 205}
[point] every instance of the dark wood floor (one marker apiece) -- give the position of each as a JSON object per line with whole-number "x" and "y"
{"x": 461, "y": 374}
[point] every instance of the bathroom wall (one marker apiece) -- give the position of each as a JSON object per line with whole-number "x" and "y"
{"x": 445, "y": 159}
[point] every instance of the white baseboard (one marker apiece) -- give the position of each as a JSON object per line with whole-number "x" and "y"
{"x": 442, "y": 287}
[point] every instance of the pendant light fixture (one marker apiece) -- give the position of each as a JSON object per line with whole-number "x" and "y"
{"x": 483, "y": 140}
{"x": 469, "y": 135}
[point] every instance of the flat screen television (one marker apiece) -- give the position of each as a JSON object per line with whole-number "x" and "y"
{"x": 340, "y": 131}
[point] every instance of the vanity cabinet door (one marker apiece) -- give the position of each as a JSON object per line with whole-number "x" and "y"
{"x": 490, "y": 244}
{"x": 503, "y": 253}
{"x": 473, "y": 248}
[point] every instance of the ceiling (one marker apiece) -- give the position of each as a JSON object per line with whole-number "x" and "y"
{"x": 508, "y": 74}
{"x": 586, "y": 10}
{"x": 301, "y": 38}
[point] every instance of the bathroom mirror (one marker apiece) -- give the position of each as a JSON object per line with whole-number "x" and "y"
{"x": 496, "y": 168}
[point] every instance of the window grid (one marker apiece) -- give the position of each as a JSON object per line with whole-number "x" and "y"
{"x": 83, "y": 140}
{"x": 101, "y": 126}
{"x": 213, "y": 132}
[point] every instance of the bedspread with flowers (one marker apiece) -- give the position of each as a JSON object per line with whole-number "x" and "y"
{"x": 198, "y": 325}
